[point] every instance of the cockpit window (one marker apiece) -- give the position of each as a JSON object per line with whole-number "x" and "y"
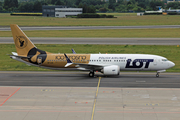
{"x": 164, "y": 60}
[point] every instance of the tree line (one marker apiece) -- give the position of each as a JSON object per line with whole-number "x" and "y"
{"x": 89, "y": 6}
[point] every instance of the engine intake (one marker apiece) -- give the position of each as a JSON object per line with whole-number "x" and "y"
{"x": 111, "y": 70}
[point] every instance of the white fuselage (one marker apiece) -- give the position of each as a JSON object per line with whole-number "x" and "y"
{"x": 131, "y": 62}
{"x": 126, "y": 62}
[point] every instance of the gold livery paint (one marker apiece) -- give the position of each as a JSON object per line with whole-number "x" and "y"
{"x": 35, "y": 56}
{"x": 22, "y": 42}
{"x": 59, "y": 60}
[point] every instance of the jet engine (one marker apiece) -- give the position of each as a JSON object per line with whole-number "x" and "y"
{"x": 111, "y": 70}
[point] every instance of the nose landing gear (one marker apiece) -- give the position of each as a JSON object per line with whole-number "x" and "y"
{"x": 160, "y": 71}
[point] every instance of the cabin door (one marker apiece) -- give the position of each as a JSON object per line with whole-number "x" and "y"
{"x": 39, "y": 60}
{"x": 155, "y": 61}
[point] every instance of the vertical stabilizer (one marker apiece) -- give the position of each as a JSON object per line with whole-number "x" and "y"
{"x": 22, "y": 42}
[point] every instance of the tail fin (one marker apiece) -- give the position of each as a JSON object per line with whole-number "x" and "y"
{"x": 22, "y": 42}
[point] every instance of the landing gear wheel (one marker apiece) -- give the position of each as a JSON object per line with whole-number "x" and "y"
{"x": 157, "y": 75}
{"x": 91, "y": 74}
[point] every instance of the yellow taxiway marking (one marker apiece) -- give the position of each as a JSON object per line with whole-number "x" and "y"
{"x": 95, "y": 99}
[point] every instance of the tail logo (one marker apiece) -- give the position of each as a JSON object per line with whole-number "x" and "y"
{"x": 21, "y": 42}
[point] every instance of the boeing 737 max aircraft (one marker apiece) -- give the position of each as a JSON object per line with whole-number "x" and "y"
{"x": 108, "y": 64}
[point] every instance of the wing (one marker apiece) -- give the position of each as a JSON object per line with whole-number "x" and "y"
{"x": 89, "y": 66}
{"x": 73, "y": 51}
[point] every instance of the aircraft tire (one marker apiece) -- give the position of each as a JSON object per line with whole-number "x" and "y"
{"x": 157, "y": 75}
{"x": 91, "y": 74}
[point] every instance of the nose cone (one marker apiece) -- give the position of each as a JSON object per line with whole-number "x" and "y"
{"x": 171, "y": 64}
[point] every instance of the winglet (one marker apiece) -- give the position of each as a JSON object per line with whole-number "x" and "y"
{"x": 73, "y": 51}
{"x": 69, "y": 62}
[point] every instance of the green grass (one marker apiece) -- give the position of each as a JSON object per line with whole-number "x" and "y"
{"x": 123, "y": 33}
{"x": 170, "y": 52}
{"x": 123, "y": 19}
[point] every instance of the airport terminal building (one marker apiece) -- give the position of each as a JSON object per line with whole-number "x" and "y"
{"x": 60, "y": 11}
{"x": 63, "y": 12}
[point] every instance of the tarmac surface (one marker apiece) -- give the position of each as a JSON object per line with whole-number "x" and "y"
{"x": 81, "y": 79}
{"x": 92, "y": 27}
{"x": 112, "y": 41}
{"x": 75, "y": 96}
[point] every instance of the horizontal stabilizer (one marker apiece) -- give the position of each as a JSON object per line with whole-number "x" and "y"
{"x": 16, "y": 55}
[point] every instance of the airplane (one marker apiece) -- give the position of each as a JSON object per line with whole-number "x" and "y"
{"x": 158, "y": 11}
{"x": 173, "y": 10}
{"x": 108, "y": 64}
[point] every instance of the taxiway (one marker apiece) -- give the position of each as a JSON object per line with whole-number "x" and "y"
{"x": 109, "y": 41}
{"x": 81, "y": 79}
{"x": 92, "y": 27}
{"x": 73, "y": 95}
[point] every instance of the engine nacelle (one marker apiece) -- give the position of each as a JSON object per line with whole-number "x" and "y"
{"x": 111, "y": 70}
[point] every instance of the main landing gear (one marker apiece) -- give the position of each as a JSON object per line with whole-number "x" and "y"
{"x": 91, "y": 74}
{"x": 157, "y": 74}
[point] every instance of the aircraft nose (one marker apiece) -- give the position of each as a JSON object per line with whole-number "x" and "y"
{"x": 171, "y": 64}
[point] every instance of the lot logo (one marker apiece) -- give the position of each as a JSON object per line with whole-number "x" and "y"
{"x": 138, "y": 63}
{"x": 21, "y": 42}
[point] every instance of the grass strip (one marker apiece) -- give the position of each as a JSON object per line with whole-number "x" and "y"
{"x": 123, "y": 33}
{"x": 123, "y": 19}
{"x": 170, "y": 52}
